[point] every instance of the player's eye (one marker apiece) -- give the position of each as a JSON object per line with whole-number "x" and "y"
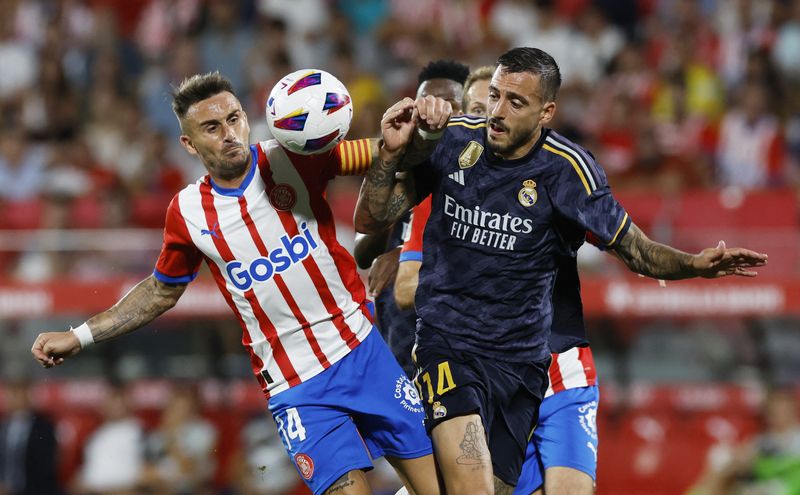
{"x": 211, "y": 129}
{"x": 233, "y": 119}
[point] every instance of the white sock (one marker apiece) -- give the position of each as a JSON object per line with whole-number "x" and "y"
{"x": 402, "y": 491}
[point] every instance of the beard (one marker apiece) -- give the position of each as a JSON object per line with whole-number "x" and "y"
{"x": 515, "y": 139}
{"x": 229, "y": 168}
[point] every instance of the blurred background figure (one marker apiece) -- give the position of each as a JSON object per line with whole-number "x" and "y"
{"x": 769, "y": 463}
{"x": 180, "y": 450}
{"x": 28, "y": 446}
{"x": 113, "y": 459}
{"x": 260, "y": 465}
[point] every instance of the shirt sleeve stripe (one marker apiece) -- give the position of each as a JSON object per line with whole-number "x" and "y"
{"x": 174, "y": 280}
{"x": 621, "y": 226}
{"x": 586, "y": 169}
{"x": 410, "y": 256}
{"x": 574, "y": 165}
{"x": 468, "y": 126}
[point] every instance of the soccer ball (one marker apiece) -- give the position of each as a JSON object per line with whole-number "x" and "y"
{"x": 309, "y": 111}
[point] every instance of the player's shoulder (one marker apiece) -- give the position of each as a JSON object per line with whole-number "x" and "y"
{"x": 466, "y": 127}
{"x": 573, "y": 160}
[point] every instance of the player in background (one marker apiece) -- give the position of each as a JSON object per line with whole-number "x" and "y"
{"x": 510, "y": 199}
{"x": 260, "y": 221}
{"x": 564, "y": 442}
{"x": 443, "y": 79}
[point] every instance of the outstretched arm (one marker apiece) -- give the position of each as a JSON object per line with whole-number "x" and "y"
{"x": 660, "y": 261}
{"x": 140, "y": 306}
{"x": 386, "y": 193}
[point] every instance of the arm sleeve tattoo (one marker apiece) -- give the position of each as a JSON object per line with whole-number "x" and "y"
{"x": 141, "y": 305}
{"x": 652, "y": 259}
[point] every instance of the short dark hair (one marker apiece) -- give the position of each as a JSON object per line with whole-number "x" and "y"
{"x": 197, "y": 88}
{"x": 444, "y": 69}
{"x": 536, "y": 61}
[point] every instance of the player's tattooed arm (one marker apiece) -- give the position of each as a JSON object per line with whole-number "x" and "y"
{"x": 660, "y": 261}
{"x": 138, "y": 307}
{"x": 385, "y": 195}
{"x": 141, "y": 305}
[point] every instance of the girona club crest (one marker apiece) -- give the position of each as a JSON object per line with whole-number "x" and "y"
{"x": 305, "y": 465}
{"x": 282, "y": 197}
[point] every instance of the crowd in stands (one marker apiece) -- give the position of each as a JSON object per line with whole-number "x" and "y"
{"x": 668, "y": 94}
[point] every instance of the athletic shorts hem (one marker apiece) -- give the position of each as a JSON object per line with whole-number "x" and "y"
{"x": 591, "y": 471}
{"x": 409, "y": 455}
{"x": 341, "y": 472}
{"x": 431, "y": 424}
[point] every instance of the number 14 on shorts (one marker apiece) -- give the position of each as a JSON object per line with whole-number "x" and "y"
{"x": 444, "y": 382}
{"x": 292, "y": 428}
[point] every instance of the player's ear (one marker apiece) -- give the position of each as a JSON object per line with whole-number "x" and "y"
{"x": 186, "y": 142}
{"x": 548, "y": 112}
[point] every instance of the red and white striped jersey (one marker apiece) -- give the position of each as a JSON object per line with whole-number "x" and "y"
{"x": 571, "y": 369}
{"x": 271, "y": 247}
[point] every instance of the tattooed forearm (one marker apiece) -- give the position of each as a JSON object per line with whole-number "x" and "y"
{"x": 652, "y": 259}
{"x": 339, "y": 485}
{"x": 138, "y": 307}
{"x": 383, "y": 197}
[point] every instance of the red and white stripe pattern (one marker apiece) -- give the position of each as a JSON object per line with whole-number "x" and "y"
{"x": 306, "y": 315}
{"x": 571, "y": 369}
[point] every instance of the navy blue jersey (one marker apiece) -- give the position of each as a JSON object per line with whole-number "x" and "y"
{"x": 568, "y": 329}
{"x": 497, "y": 232}
{"x": 397, "y": 325}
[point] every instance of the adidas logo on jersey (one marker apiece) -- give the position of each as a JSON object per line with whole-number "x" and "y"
{"x": 457, "y": 176}
{"x": 293, "y": 250}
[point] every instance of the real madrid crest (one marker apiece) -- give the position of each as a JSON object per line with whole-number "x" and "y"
{"x": 527, "y": 195}
{"x": 469, "y": 156}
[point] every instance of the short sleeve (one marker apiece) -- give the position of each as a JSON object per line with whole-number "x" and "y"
{"x": 582, "y": 195}
{"x": 412, "y": 247}
{"x": 180, "y": 259}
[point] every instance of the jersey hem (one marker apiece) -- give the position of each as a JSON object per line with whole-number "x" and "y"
{"x": 185, "y": 279}
{"x": 410, "y": 256}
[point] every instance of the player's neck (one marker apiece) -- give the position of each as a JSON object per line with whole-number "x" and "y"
{"x": 231, "y": 182}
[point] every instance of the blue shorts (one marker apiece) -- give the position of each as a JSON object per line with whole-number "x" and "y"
{"x": 362, "y": 407}
{"x": 566, "y": 436}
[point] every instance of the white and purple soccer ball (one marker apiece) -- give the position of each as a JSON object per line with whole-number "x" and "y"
{"x": 309, "y": 111}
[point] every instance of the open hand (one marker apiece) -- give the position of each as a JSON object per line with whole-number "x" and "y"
{"x": 51, "y": 348}
{"x": 721, "y": 261}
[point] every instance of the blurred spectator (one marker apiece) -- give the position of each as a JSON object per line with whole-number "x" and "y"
{"x": 787, "y": 43}
{"x": 180, "y": 451}
{"x": 17, "y": 57}
{"x": 180, "y": 62}
{"x": 27, "y": 446}
{"x": 260, "y": 466}
{"x": 113, "y": 457}
{"x": 22, "y": 164}
{"x": 750, "y": 152}
{"x": 225, "y": 42}
{"x": 305, "y": 23}
{"x": 770, "y": 462}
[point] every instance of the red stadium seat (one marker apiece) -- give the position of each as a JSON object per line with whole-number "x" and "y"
{"x": 22, "y": 214}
